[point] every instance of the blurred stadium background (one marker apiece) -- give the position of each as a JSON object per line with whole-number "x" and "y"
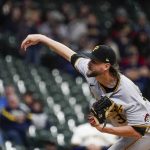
{"x": 43, "y": 99}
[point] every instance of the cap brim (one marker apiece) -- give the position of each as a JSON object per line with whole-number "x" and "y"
{"x": 89, "y": 55}
{"x": 92, "y": 57}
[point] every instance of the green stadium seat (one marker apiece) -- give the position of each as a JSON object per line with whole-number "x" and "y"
{"x": 33, "y": 78}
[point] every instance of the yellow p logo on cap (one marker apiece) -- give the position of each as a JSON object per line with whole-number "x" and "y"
{"x": 96, "y": 47}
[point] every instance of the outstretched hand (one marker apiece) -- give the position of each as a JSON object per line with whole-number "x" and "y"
{"x": 31, "y": 39}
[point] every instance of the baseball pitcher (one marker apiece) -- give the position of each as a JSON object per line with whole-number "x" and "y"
{"x": 118, "y": 100}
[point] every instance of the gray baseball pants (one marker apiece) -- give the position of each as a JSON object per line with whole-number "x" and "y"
{"x": 129, "y": 143}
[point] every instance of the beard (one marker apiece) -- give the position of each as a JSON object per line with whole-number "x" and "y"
{"x": 92, "y": 73}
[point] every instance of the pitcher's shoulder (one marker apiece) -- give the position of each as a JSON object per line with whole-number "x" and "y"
{"x": 125, "y": 80}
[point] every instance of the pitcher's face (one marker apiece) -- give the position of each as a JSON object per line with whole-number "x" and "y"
{"x": 96, "y": 68}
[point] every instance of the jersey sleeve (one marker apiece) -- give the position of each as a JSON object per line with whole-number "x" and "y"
{"x": 80, "y": 64}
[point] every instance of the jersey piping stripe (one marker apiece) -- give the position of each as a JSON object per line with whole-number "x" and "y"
{"x": 116, "y": 88}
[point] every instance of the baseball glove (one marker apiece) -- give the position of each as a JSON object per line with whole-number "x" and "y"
{"x": 103, "y": 109}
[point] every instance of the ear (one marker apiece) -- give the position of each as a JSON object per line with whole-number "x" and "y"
{"x": 107, "y": 66}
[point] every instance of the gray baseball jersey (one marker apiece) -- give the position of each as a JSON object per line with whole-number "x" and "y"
{"x": 136, "y": 109}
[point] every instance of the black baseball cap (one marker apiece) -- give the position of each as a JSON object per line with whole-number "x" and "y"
{"x": 102, "y": 53}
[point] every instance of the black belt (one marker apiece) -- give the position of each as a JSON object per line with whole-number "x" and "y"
{"x": 142, "y": 129}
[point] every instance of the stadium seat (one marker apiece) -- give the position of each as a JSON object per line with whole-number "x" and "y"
{"x": 34, "y": 79}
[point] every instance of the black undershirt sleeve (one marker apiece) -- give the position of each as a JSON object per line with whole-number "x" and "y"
{"x": 74, "y": 58}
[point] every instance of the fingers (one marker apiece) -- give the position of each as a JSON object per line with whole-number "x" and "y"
{"x": 92, "y": 120}
{"x": 25, "y": 44}
{"x": 31, "y": 39}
